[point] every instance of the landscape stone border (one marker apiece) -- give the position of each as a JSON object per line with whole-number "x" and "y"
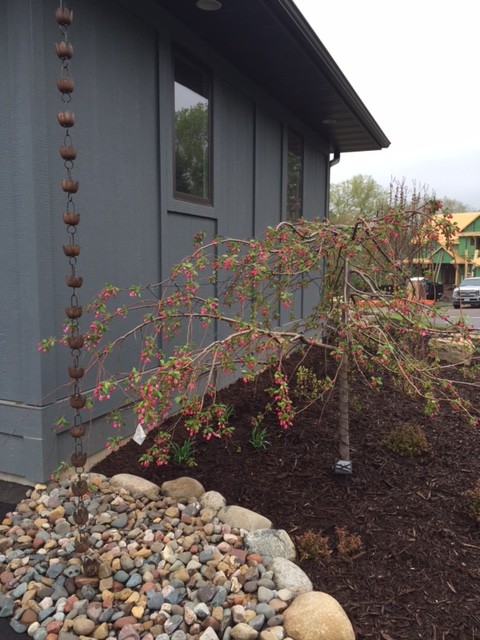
{"x": 176, "y": 563}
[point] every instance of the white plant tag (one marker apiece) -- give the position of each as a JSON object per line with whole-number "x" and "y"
{"x": 139, "y": 435}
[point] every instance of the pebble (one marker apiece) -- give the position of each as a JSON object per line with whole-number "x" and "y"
{"x": 167, "y": 571}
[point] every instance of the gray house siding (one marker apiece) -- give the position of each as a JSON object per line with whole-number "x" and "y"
{"x": 132, "y": 228}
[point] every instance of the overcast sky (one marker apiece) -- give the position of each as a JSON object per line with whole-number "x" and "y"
{"x": 415, "y": 65}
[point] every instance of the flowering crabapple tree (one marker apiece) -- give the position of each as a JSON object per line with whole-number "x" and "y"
{"x": 228, "y": 309}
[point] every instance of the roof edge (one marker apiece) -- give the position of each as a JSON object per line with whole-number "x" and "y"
{"x": 295, "y": 23}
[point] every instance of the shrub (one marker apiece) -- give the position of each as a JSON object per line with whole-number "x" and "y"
{"x": 311, "y": 545}
{"x": 408, "y": 441}
{"x": 308, "y": 387}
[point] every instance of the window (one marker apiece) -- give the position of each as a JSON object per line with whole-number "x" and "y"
{"x": 295, "y": 177}
{"x": 192, "y": 131}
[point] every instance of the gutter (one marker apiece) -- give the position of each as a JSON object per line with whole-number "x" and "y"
{"x": 336, "y": 158}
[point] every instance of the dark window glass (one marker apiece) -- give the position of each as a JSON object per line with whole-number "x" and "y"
{"x": 192, "y": 131}
{"x": 295, "y": 176}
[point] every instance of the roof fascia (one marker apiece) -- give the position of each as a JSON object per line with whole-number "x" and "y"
{"x": 295, "y": 23}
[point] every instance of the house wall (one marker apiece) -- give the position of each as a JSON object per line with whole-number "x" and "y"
{"x": 132, "y": 228}
{"x": 469, "y": 246}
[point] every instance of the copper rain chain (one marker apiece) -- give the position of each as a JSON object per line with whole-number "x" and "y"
{"x": 75, "y": 339}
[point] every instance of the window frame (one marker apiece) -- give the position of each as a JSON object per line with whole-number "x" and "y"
{"x": 195, "y": 63}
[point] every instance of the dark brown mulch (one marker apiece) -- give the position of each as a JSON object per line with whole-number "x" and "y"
{"x": 418, "y": 575}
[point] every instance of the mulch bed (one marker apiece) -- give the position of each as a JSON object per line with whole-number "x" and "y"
{"x": 418, "y": 572}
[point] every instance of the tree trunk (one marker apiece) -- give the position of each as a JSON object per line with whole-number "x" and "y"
{"x": 343, "y": 401}
{"x": 343, "y": 391}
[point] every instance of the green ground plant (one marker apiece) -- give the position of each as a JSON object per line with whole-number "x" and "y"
{"x": 184, "y": 453}
{"x": 308, "y": 387}
{"x": 259, "y": 434}
{"x": 408, "y": 441}
{"x": 61, "y": 471}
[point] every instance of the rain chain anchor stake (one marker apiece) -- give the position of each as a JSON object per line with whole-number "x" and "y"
{"x": 66, "y": 119}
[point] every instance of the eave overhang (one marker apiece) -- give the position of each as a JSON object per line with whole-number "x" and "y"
{"x": 273, "y": 45}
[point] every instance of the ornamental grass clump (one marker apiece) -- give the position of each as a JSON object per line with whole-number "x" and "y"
{"x": 184, "y": 453}
{"x": 408, "y": 441}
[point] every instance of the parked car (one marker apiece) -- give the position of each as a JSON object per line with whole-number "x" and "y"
{"x": 467, "y": 293}
{"x": 423, "y": 286}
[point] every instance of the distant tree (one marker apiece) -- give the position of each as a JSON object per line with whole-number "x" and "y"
{"x": 358, "y": 196}
{"x": 456, "y": 206}
{"x": 191, "y": 150}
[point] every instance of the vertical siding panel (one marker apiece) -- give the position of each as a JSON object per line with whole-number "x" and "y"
{"x": 316, "y": 170}
{"x": 25, "y": 262}
{"x": 315, "y": 182}
{"x": 268, "y": 171}
{"x": 233, "y": 161}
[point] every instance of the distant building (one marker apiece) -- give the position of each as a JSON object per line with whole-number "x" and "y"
{"x": 462, "y": 259}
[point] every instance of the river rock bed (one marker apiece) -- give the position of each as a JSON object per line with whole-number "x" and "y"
{"x": 171, "y": 567}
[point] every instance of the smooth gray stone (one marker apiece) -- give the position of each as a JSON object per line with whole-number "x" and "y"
{"x": 88, "y": 592}
{"x": 19, "y": 591}
{"x": 120, "y": 522}
{"x": 206, "y": 593}
{"x": 275, "y": 621}
{"x": 59, "y": 592}
{"x": 54, "y": 570}
{"x": 40, "y": 634}
{"x": 46, "y": 613}
{"x": 173, "y": 623}
{"x": 173, "y": 597}
{"x": 62, "y": 528}
{"x": 265, "y": 609}
{"x": 106, "y": 614}
{"x": 220, "y": 597}
{"x": 155, "y": 602}
{"x": 121, "y": 576}
{"x": 18, "y": 626}
{"x": 257, "y": 622}
{"x": 135, "y": 580}
{"x": 6, "y": 606}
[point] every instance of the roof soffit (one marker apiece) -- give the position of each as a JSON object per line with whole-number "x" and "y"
{"x": 271, "y": 43}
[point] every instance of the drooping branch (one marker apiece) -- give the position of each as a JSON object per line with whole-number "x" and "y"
{"x": 250, "y": 320}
